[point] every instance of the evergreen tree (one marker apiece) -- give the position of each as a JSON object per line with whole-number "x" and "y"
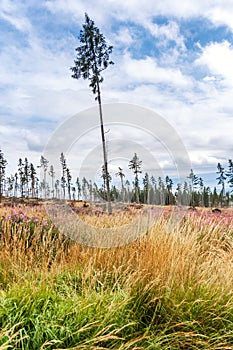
{"x": 221, "y": 181}
{"x": 201, "y": 192}
{"x": 178, "y": 194}
{"x": 106, "y": 181}
{"x": 63, "y": 177}
{"x": 229, "y": 174}
{"x": 90, "y": 191}
{"x": 169, "y": 198}
{"x": 84, "y": 188}
{"x": 10, "y": 185}
{"x": 37, "y": 184}
{"x": 16, "y": 185}
{"x": 114, "y": 193}
{"x": 146, "y": 186}
{"x": 92, "y": 58}
{"x": 161, "y": 191}
{"x": 121, "y": 176}
{"x": 135, "y": 165}
{"x": 185, "y": 200}
{"x": 127, "y": 188}
{"x": 68, "y": 179}
{"x": 3, "y": 164}
{"x": 32, "y": 171}
{"x": 73, "y": 189}
{"x": 26, "y": 176}
{"x": 153, "y": 189}
{"x": 95, "y": 191}
{"x": 227, "y": 198}
{"x": 52, "y": 174}
{"x": 21, "y": 176}
{"x": 206, "y": 197}
{"x": 214, "y": 198}
{"x": 44, "y": 167}
{"x": 57, "y": 189}
{"x": 78, "y": 188}
{"x": 194, "y": 181}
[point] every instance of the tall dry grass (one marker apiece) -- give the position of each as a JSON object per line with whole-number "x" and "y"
{"x": 171, "y": 289}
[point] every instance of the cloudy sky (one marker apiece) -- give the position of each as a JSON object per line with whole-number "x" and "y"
{"x": 172, "y": 57}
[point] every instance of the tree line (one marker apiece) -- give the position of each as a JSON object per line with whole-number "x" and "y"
{"x": 144, "y": 188}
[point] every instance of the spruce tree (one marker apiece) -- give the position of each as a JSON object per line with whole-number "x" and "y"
{"x": 229, "y": 174}
{"x": 221, "y": 181}
{"x": 93, "y": 58}
{"x": 63, "y": 177}
{"x": 135, "y": 165}
{"x": 3, "y": 164}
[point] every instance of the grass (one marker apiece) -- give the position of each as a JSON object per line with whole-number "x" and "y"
{"x": 172, "y": 289}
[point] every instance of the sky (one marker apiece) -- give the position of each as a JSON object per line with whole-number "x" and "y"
{"x": 171, "y": 57}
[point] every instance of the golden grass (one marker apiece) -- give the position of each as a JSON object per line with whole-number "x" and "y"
{"x": 191, "y": 251}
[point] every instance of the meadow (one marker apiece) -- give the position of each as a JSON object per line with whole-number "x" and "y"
{"x": 170, "y": 289}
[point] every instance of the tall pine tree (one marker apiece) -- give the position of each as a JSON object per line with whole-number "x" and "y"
{"x": 93, "y": 58}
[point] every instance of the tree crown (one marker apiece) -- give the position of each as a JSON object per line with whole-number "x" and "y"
{"x": 92, "y": 55}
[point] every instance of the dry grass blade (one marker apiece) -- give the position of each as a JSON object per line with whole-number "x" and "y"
{"x": 102, "y": 337}
{"x": 12, "y": 337}
{"x": 50, "y": 342}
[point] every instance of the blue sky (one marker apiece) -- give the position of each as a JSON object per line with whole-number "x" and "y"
{"x": 173, "y": 58}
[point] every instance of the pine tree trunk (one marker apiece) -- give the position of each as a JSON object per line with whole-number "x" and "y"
{"x": 104, "y": 151}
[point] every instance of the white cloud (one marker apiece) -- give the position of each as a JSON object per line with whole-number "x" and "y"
{"x": 123, "y": 36}
{"x": 167, "y": 32}
{"x": 222, "y": 14}
{"x": 37, "y": 80}
{"x": 15, "y": 146}
{"x": 148, "y": 71}
{"x": 219, "y": 11}
{"x": 76, "y": 9}
{"x": 34, "y": 141}
{"x": 12, "y": 12}
{"x": 218, "y": 58}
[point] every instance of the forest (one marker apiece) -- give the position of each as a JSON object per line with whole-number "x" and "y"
{"x": 41, "y": 181}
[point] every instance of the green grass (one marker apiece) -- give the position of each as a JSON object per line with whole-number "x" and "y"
{"x": 65, "y": 312}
